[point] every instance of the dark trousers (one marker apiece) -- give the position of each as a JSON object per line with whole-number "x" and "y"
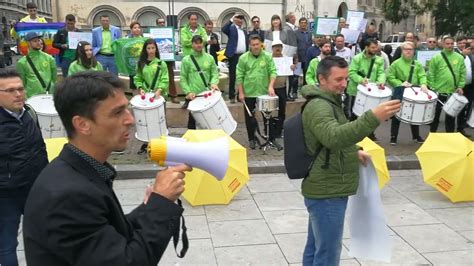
{"x": 251, "y": 122}
{"x": 172, "y": 87}
{"x": 466, "y": 112}
{"x": 293, "y": 84}
{"x": 191, "y": 121}
{"x": 415, "y": 130}
{"x": 11, "y": 209}
{"x": 65, "y": 63}
{"x": 304, "y": 66}
{"x": 348, "y": 105}
{"x": 232, "y": 73}
{"x": 282, "y": 97}
{"x": 450, "y": 121}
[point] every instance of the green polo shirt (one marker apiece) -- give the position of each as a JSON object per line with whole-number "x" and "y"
{"x": 106, "y": 42}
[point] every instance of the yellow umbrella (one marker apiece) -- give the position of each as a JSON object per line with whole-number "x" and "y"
{"x": 201, "y": 187}
{"x": 54, "y": 147}
{"x": 447, "y": 163}
{"x": 377, "y": 155}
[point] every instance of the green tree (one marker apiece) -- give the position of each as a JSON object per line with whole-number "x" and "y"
{"x": 397, "y": 10}
{"x": 454, "y": 16}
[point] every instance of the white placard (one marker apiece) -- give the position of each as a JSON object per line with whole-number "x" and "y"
{"x": 75, "y": 37}
{"x": 425, "y": 56}
{"x": 283, "y": 65}
{"x": 164, "y": 38}
{"x": 354, "y": 18}
{"x": 358, "y": 24}
{"x": 298, "y": 70}
{"x": 326, "y": 26}
{"x": 370, "y": 239}
{"x": 350, "y": 36}
{"x": 268, "y": 45}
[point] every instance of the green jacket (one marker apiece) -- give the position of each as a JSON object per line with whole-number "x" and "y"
{"x": 321, "y": 127}
{"x": 144, "y": 78}
{"x": 78, "y": 67}
{"x": 359, "y": 68}
{"x": 254, "y": 74}
{"x": 190, "y": 80}
{"x": 185, "y": 36}
{"x": 46, "y": 67}
{"x": 399, "y": 72}
{"x": 311, "y": 72}
{"x": 440, "y": 78}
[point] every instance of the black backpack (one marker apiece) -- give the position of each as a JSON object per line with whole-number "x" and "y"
{"x": 297, "y": 161}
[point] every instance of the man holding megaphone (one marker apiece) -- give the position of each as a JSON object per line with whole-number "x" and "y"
{"x": 72, "y": 215}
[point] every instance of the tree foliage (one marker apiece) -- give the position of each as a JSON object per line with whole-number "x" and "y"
{"x": 454, "y": 16}
{"x": 397, "y": 10}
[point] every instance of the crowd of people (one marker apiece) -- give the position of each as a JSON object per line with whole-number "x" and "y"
{"x": 72, "y": 215}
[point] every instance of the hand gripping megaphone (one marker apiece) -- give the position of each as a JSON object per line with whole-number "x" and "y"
{"x": 210, "y": 156}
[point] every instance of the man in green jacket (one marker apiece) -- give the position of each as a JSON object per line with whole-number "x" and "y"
{"x": 42, "y": 62}
{"x": 441, "y": 80}
{"x": 191, "y": 80}
{"x": 256, "y": 74}
{"x": 399, "y": 78}
{"x": 190, "y": 30}
{"x": 334, "y": 174}
{"x": 360, "y": 72}
{"x": 325, "y": 47}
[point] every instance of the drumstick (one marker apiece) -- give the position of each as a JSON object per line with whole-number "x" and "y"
{"x": 247, "y": 108}
{"x": 416, "y": 93}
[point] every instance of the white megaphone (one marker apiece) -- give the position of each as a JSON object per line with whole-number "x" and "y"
{"x": 210, "y": 156}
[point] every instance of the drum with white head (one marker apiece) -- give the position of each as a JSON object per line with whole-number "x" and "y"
{"x": 417, "y": 108}
{"x": 267, "y": 103}
{"x": 455, "y": 104}
{"x": 210, "y": 112}
{"x": 370, "y": 96}
{"x": 48, "y": 118}
{"x": 150, "y": 116}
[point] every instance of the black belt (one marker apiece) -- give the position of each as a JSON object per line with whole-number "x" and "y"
{"x": 106, "y": 54}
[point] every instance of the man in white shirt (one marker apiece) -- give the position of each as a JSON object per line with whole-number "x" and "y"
{"x": 341, "y": 50}
{"x": 468, "y": 88}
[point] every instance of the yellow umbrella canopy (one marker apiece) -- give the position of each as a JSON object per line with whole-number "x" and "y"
{"x": 54, "y": 147}
{"x": 447, "y": 163}
{"x": 377, "y": 155}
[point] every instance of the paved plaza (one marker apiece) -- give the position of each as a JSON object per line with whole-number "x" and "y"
{"x": 266, "y": 224}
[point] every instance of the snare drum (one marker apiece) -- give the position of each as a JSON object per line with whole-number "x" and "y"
{"x": 48, "y": 118}
{"x": 417, "y": 108}
{"x": 267, "y": 103}
{"x": 210, "y": 112}
{"x": 455, "y": 104}
{"x": 150, "y": 117}
{"x": 369, "y": 97}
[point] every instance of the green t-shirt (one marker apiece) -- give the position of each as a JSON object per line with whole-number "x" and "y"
{"x": 106, "y": 42}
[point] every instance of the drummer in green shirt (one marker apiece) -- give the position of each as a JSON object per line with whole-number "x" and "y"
{"x": 152, "y": 73}
{"x": 190, "y": 79}
{"x": 256, "y": 74}
{"x": 84, "y": 60}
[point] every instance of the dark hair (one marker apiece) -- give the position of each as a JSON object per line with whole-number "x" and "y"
{"x": 191, "y": 14}
{"x": 6, "y": 73}
{"x": 159, "y": 18}
{"x": 460, "y": 38}
{"x": 44, "y": 44}
{"x": 370, "y": 41}
{"x": 81, "y": 56}
{"x": 302, "y": 19}
{"x": 31, "y": 5}
{"x": 254, "y": 37}
{"x": 323, "y": 42}
{"x": 142, "y": 60}
{"x": 288, "y": 16}
{"x": 70, "y": 17}
{"x": 134, "y": 23}
{"x": 208, "y": 22}
{"x": 274, "y": 17}
{"x": 104, "y": 16}
{"x": 387, "y": 49}
{"x": 254, "y": 17}
{"x": 197, "y": 39}
{"x": 324, "y": 67}
{"x": 79, "y": 94}
{"x": 339, "y": 35}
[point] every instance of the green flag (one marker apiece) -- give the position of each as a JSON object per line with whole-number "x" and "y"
{"x": 127, "y": 51}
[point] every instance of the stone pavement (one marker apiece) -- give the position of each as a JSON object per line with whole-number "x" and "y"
{"x": 266, "y": 224}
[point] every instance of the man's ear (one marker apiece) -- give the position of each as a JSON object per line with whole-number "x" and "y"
{"x": 82, "y": 125}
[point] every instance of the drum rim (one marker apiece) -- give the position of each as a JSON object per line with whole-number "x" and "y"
{"x": 161, "y": 101}
{"x": 208, "y": 107}
{"x": 37, "y": 96}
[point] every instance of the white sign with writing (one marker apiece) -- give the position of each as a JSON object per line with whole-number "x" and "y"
{"x": 425, "y": 56}
{"x": 326, "y": 26}
{"x": 164, "y": 37}
{"x": 350, "y": 36}
{"x": 75, "y": 37}
{"x": 283, "y": 65}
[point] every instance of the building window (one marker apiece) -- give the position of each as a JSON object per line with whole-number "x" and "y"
{"x": 183, "y": 15}
{"x": 114, "y": 19}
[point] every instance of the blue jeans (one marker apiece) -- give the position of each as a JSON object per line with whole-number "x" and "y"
{"x": 65, "y": 63}
{"x": 325, "y": 227}
{"x": 11, "y": 210}
{"x": 108, "y": 63}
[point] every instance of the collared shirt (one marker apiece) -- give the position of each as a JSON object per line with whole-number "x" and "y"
{"x": 241, "y": 47}
{"x": 105, "y": 170}
{"x": 345, "y": 53}
{"x": 293, "y": 27}
{"x": 106, "y": 42}
{"x": 15, "y": 114}
{"x": 468, "y": 64}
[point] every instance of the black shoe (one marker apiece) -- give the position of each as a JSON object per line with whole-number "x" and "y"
{"x": 252, "y": 144}
{"x": 277, "y": 145}
{"x": 290, "y": 99}
{"x": 143, "y": 149}
{"x": 232, "y": 100}
{"x": 185, "y": 105}
{"x": 464, "y": 133}
{"x": 418, "y": 139}
{"x": 393, "y": 141}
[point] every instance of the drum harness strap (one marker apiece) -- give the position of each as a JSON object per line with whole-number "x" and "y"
{"x": 412, "y": 68}
{"x": 37, "y": 74}
{"x": 450, "y": 68}
{"x": 371, "y": 67}
{"x": 199, "y": 71}
{"x": 155, "y": 78}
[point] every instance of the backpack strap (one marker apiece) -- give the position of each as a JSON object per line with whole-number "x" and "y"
{"x": 32, "y": 114}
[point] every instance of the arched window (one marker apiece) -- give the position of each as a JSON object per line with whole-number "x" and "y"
{"x": 147, "y": 16}
{"x": 225, "y": 17}
{"x": 342, "y": 10}
{"x": 183, "y": 15}
{"x": 113, "y": 17}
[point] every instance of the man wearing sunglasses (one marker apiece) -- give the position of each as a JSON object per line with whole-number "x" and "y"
{"x": 22, "y": 157}
{"x": 256, "y": 28}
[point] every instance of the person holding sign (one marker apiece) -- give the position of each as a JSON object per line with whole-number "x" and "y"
{"x": 404, "y": 73}
{"x": 60, "y": 41}
{"x": 198, "y": 73}
{"x": 446, "y": 75}
{"x": 37, "y": 69}
{"x": 256, "y": 73}
{"x": 84, "y": 60}
{"x": 325, "y": 47}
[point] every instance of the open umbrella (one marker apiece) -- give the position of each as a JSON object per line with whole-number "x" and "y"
{"x": 447, "y": 163}
{"x": 54, "y": 147}
{"x": 201, "y": 187}
{"x": 377, "y": 155}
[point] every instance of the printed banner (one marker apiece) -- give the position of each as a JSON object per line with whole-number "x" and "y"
{"x": 164, "y": 38}
{"x": 127, "y": 51}
{"x": 46, "y": 30}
